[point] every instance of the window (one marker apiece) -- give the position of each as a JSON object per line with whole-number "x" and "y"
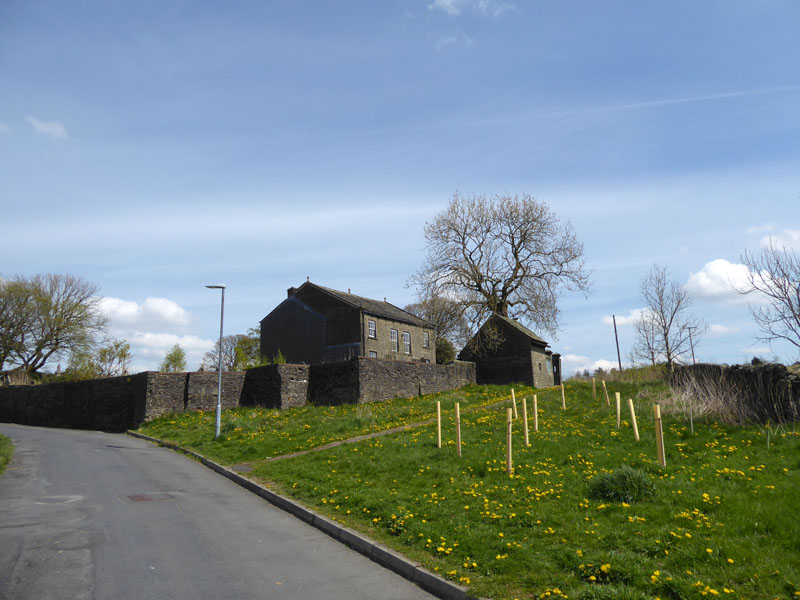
{"x": 373, "y": 354}
{"x": 371, "y": 328}
{"x": 549, "y": 364}
{"x": 393, "y": 336}
{"x": 540, "y": 366}
{"x": 426, "y": 339}
{"x": 406, "y": 342}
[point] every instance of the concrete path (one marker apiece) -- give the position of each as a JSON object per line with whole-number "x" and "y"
{"x": 89, "y": 515}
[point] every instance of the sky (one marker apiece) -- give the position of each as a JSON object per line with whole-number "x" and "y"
{"x": 155, "y": 147}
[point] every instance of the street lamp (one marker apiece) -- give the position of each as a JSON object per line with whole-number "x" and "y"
{"x": 219, "y": 286}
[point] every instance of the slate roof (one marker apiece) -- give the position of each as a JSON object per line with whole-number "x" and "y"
{"x": 521, "y": 328}
{"x": 377, "y": 308}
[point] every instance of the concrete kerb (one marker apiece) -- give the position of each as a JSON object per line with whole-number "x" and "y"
{"x": 376, "y": 552}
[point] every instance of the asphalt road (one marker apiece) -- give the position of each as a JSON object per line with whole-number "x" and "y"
{"x": 90, "y": 515}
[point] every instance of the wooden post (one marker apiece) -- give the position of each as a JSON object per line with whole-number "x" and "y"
{"x": 633, "y": 419}
{"x": 508, "y": 442}
{"x": 616, "y": 397}
{"x": 525, "y": 419}
{"x": 659, "y": 436}
{"x": 514, "y": 403}
{"x": 458, "y": 429}
{"x": 439, "y": 424}
{"x": 605, "y": 393}
{"x": 535, "y": 413}
{"x": 563, "y": 399}
{"x": 594, "y": 389}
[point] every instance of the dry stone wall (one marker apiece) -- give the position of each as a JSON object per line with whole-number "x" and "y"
{"x": 120, "y": 403}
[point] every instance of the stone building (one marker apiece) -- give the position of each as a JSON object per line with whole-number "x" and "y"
{"x": 506, "y": 352}
{"x": 316, "y": 324}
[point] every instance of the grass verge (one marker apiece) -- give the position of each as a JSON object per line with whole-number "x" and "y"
{"x": 717, "y": 521}
{"x": 6, "y": 452}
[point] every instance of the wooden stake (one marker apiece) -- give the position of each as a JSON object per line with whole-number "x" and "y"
{"x": 616, "y": 397}
{"x": 563, "y": 399}
{"x": 439, "y": 424}
{"x": 605, "y": 393}
{"x": 535, "y": 413}
{"x": 633, "y": 420}
{"x": 508, "y": 442}
{"x": 514, "y": 403}
{"x": 525, "y": 419}
{"x": 458, "y": 429}
{"x": 594, "y": 389}
{"x": 659, "y": 436}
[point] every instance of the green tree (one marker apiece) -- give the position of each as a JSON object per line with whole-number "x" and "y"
{"x": 445, "y": 351}
{"x": 239, "y": 352}
{"x": 174, "y": 361}
{"x": 45, "y": 317}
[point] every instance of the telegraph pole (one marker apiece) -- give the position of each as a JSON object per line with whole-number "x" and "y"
{"x": 616, "y": 339}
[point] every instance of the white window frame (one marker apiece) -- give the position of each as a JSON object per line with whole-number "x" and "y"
{"x": 373, "y": 354}
{"x": 395, "y": 343}
{"x": 372, "y": 329}
{"x": 406, "y": 343}
{"x": 426, "y": 339}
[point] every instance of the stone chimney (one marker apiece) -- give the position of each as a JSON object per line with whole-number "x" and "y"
{"x": 291, "y": 292}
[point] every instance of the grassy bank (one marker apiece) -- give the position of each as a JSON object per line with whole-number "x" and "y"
{"x": 6, "y": 452}
{"x": 255, "y": 433}
{"x": 719, "y": 522}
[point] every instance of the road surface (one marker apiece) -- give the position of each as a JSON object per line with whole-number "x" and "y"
{"x": 91, "y": 515}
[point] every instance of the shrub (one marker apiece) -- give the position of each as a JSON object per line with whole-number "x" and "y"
{"x": 626, "y": 484}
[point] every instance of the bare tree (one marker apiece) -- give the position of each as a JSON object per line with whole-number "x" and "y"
{"x": 211, "y": 358}
{"x": 504, "y": 255}
{"x": 647, "y": 339}
{"x": 667, "y": 303}
{"x": 774, "y": 272}
{"x": 46, "y": 316}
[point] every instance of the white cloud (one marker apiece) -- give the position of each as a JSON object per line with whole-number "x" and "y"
{"x": 629, "y": 319}
{"x": 3, "y": 127}
{"x": 52, "y": 128}
{"x": 718, "y": 281}
{"x": 152, "y": 328}
{"x": 481, "y": 7}
{"x": 756, "y": 229}
{"x": 572, "y": 363}
{"x": 153, "y": 313}
{"x": 717, "y": 330}
{"x": 788, "y": 238}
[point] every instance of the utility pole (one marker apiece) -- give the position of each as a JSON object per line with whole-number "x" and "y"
{"x": 691, "y": 343}
{"x": 616, "y": 339}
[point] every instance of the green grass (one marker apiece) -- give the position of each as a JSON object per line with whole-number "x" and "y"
{"x": 248, "y": 434}
{"x": 6, "y": 452}
{"x": 720, "y": 521}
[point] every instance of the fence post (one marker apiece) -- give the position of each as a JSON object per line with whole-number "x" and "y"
{"x": 439, "y": 424}
{"x": 563, "y": 399}
{"x": 508, "y": 442}
{"x": 458, "y": 428}
{"x": 659, "y": 436}
{"x": 633, "y": 419}
{"x": 616, "y": 397}
{"x": 535, "y": 413}
{"x": 525, "y": 419}
{"x": 514, "y": 403}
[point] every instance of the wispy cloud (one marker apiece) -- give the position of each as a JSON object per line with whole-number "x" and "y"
{"x": 487, "y": 8}
{"x": 459, "y": 38}
{"x": 3, "y": 127}
{"x": 788, "y": 238}
{"x": 718, "y": 330}
{"x": 629, "y": 319}
{"x": 54, "y": 129}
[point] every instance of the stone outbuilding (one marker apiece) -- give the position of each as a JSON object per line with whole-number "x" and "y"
{"x": 316, "y": 324}
{"x": 504, "y": 351}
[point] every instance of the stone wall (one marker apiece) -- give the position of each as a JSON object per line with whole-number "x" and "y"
{"x": 761, "y": 394}
{"x": 113, "y": 404}
{"x": 120, "y": 403}
{"x": 276, "y": 386}
{"x": 371, "y": 380}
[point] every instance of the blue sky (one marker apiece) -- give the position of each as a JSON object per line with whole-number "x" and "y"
{"x": 154, "y": 147}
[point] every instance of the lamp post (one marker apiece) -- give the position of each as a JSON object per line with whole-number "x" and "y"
{"x": 219, "y": 286}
